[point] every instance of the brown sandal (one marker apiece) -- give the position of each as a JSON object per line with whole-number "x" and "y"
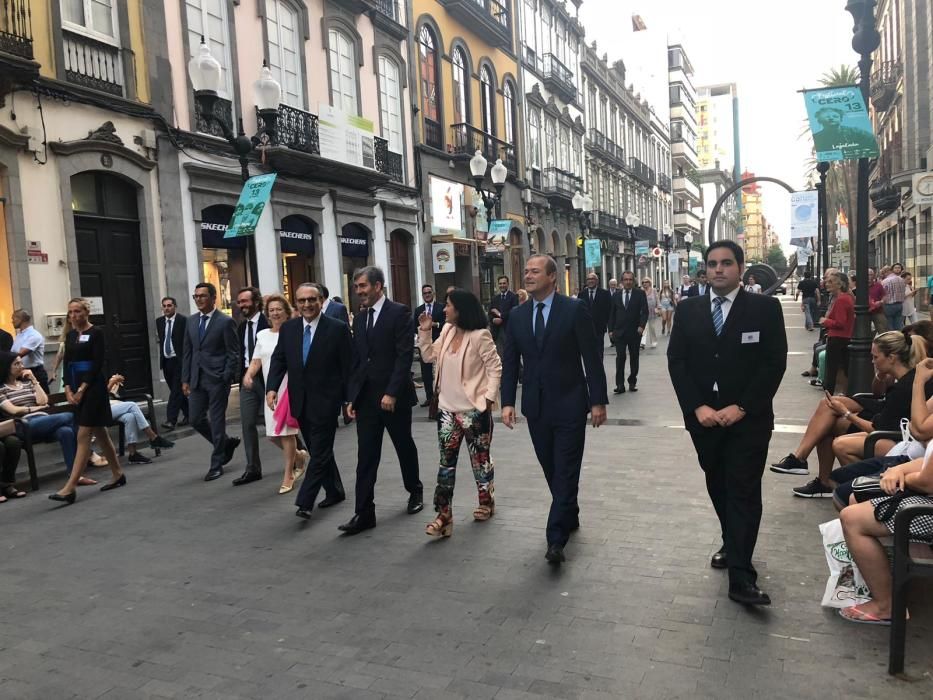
{"x": 484, "y": 512}
{"x": 12, "y": 492}
{"x": 441, "y": 526}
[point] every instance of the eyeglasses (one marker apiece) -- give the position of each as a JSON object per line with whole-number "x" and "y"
{"x": 200, "y": 296}
{"x": 306, "y": 300}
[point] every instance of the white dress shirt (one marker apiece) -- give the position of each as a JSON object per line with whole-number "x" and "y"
{"x": 377, "y": 309}
{"x": 169, "y": 328}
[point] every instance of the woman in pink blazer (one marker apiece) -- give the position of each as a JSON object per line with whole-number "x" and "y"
{"x": 467, "y": 372}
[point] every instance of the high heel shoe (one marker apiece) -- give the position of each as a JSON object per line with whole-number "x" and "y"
{"x": 68, "y": 498}
{"x": 300, "y": 464}
{"x": 115, "y": 484}
{"x": 441, "y": 526}
{"x": 484, "y": 512}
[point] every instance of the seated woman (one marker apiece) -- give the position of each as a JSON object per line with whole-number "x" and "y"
{"x": 22, "y": 397}
{"x": 134, "y": 423}
{"x": 10, "y": 449}
{"x": 893, "y": 353}
{"x": 865, "y": 523}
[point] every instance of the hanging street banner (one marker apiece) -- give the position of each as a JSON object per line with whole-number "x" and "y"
{"x": 804, "y": 217}
{"x": 593, "y": 257}
{"x": 842, "y": 226}
{"x": 253, "y": 198}
{"x": 673, "y": 262}
{"x": 839, "y": 123}
{"x": 642, "y": 248}
{"x": 498, "y": 235}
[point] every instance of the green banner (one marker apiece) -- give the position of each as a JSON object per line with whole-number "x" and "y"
{"x": 593, "y": 257}
{"x": 253, "y": 198}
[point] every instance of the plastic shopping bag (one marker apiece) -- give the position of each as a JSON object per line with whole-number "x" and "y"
{"x": 845, "y": 586}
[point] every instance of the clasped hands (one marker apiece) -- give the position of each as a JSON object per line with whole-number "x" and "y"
{"x": 711, "y": 418}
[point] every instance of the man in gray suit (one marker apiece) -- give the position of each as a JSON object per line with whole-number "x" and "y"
{"x": 208, "y": 368}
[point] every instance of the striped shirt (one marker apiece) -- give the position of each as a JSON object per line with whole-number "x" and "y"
{"x": 19, "y": 394}
{"x": 895, "y": 289}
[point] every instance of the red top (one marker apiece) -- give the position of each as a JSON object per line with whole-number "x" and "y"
{"x": 840, "y": 320}
{"x": 875, "y": 297}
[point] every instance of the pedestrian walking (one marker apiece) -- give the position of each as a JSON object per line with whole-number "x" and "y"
{"x": 650, "y": 336}
{"x": 86, "y": 390}
{"x": 170, "y": 328}
{"x": 666, "y": 298}
{"x": 253, "y": 396}
{"x": 381, "y": 395}
{"x": 598, "y": 302}
{"x": 209, "y": 366}
{"x": 686, "y": 289}
{"x": 500, "y": 308}
{"x": 752, "y": 287}
{"x": 909, "y": 309}
{"x": 283, "y": 436}
{"x": 332, "y": 307}
{"x": 809, "y": 290}
{"x": 628, "y": 318}
{"x": 29, "y": 344}
{"x": 876, "y": 301}
{"x": 702, "y": 285}
{"x": 895, "y": 292}
{"x": 726, "y": 358}
{"x": 308, "y": 374}
{"x": 468, "y": 374}
{"x": 564, "y": 380}
{"x": 436, "y": 312}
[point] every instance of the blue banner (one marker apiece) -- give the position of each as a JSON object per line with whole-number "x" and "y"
{"x": 253, "y": 198}
{"x": 839, "y": 123}
{"x": 593, "y": 256}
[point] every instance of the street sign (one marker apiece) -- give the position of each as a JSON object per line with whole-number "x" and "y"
{"x": 253, "y": 198}
{"x": 656, "y": 252}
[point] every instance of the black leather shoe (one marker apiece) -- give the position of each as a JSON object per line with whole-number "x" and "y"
{"x": 183, "y": 421}
{"x": 619, "y": 390}
{"x": 719, "y": 560}
{"x": 214, "y": 474}
{"x": 425, "y": 404}
{"x": 168, "y": 425}
{"x": 357, "y": 524}
{"x": 115, "y": 484}
{"x": 749, "y": 594}
{"x": 247, "y": 478}
{"x": 159, "y": 441}
{"x": 303, "y": 513}
{"x": 232, "y": 444}
{"x": 138, "y": 458}
{"x": 415, "y": 502}
{"x": 330, "y": 501}
{"x": 68, "y": 498}
{"x": 632, "y": 387}
{"x": 555, "y": 554}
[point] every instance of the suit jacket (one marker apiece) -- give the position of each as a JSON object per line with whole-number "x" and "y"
{"x": 504, "y": 307}
{"x": 692, "y": 291}
{"x": 383, "y": 360}
{"x": 437, "y": 313}
{"x": 318, "y": 387}
{"x": 479, "y": 364}
{"x": 6, "y": 341}
{"x": 216, "y": 357}
{"x": 555, "y": 384}
{"x": 747, "y": 361}
{"x": 599, "y": 308}
{"x": 261, "y": 325}
{"x": 625, "y": 322}
{"x": 337, "y": 310}
{"x": 178, "y": 336}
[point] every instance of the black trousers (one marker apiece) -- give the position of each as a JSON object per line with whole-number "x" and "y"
{"x": 177, "y": 401}
{"x": 837, "y": 358}
{"x": 322, "y": 469}
{"x": 371, "y": 424}
{"x": 733, "y": 462}
{"x": 558, "y": 444}
{"x": 208, "y": 405}
{"x": 630, "y": 342}
{"x": 427, "y": 378}
{"x": 10, "y": 449}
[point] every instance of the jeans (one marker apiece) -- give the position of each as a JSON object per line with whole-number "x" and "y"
{"x": 873, "y": 466}
{"x": 134, "y": 422}
{"x": 58, "y": 426}
{"x": 892, "y": 312}
{"x": 809, "y": 311}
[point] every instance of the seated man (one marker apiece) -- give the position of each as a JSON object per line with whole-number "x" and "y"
{"x": 134, "y": 422}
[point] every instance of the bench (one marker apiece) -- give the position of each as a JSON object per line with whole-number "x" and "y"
{"x": 907, "y": 565}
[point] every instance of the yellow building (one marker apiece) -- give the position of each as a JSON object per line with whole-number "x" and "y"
{"x": 756, "y": 235}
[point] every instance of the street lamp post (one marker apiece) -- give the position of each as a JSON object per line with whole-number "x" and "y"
{"x": 688, "y": 241}
{"x": 865, "y": 39}
{"x": 583, "y": 206}
{"x": 822, "y": 212}
{"x": 492, "y": 200}
{"x": 633, "y": 221}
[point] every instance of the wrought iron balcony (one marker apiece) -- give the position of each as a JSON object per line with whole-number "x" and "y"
{"x": 652, "y": 179}
{"x": 388, "y": 162}
{"x": 92, "y": 63}
{"x": 389, "y": 15}
{"x": 466, "y": 139}
{"x": 608, "y": 223}
{"x": 664, "y": 182}
{"x": 558, "y": 78}
{"x": 560, "y": 184}
{"x": 223, "y": 112}
{"x": 15, "y": 29}
{"x": 603, "y": 146}
{"x": 885, "y": 197}
{"x": 490, "y": 19}
{"x": 640, "y": 170}
{"x": 433, "y": 134}
{"x": 884, "y": 84}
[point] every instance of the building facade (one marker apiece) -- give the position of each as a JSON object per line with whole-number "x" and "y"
{"x": 718, "y": 157}
{"x": 683, "y": 117}
{"x": 756, "y": 241}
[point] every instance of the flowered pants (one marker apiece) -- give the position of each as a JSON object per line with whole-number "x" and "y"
{"x": 452, "y": 428}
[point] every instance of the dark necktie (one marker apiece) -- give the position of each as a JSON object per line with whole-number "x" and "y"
{"x": 306, "y": 344}
{"x": 625, "y": 300}
{"x": 717, "y": 314}
{"x": 539, "y": 325}
{"x": 250, "y": 341}
{"x": 202, "y": 327}
{"x": 168, "y": 338}
{"x": 592, "y": 295}
{"x": 427, "y": 310}
{"x": 370, "y": 319}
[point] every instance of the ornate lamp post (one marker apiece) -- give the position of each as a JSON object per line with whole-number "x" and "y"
{"x": 498, "y": 173}
{"x": 865, "y": 39}
{"x": 688, "y": 241}
{"x": 583, "y": 206}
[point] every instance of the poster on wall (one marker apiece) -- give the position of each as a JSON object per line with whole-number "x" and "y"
{"x": 804, "y": 217}
{"x": 839, "y": 123}
{"x": 446, "y": 207}
{"x": 498, "y": 235}
{"x": 443, "y": 256}
{"x": 252, "y": 201}
{"x": 346, "y": 138}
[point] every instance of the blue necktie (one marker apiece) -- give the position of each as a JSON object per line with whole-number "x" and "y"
{"x": 306, "y": 344}
{"x": 717, "y": 314}
{"x": 539, "y": 325}
{"x": 168, "y": 339}
{"x": 202, "y": 327}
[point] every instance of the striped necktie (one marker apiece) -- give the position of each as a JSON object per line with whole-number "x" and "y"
{"x": 717, "y": 314}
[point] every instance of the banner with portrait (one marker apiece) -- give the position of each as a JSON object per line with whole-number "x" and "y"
{"x": 840, "y": 124}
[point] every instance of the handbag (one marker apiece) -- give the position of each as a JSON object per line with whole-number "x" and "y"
{"x": 865, "y": 488}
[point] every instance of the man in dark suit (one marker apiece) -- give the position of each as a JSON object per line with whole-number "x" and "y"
{"x": 209, "y": 365}
{"x": 500, "y": 307}
{"x": 598, "y": 302}
{"x": 701, "y": 287}
{"x": 171, "y": 347}
{"x": 563, "y": 381}
{"x": 332, "y": 308}
{"x": 436, "y": 312}
{"x": 381, "y": 394}
{"x": 252, "y": 399}
{"x": 726, "y": 357}
{"x": 316, "y": 354}
{"x": 687, "y": 288}
{"x": 628, "y": 316}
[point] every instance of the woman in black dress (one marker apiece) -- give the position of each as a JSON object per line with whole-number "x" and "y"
{"x": 85, "y": 382}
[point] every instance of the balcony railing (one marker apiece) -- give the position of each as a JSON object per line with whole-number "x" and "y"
{"x": 640, "y": 170}
{"x": 389, "y": 16}
{"x": 466, "y": 139}
{"x": 561, "y": 183}
{"x": 884, "y": 84}
{"x": 15, "y": 29}
{"x": 604, "y": 221}
{"x": 605, "y": 147}
{"x": 558, "y": 77}
{"x": 388, "y": 162}
{"x": 391, "y": 9}
{"x": 489, "y": 19}
{"x": 433, "y": 134}
{"x": 92, "y": 63}
{"x": 664, "y": 182}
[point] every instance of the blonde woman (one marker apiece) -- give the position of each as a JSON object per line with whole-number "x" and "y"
{"x": 278, "y": 311}
{"x": 666, "y": 296}
{"x": 650, "y": 336}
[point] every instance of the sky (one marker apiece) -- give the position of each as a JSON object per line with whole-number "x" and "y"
{"x": 769, "y": 49}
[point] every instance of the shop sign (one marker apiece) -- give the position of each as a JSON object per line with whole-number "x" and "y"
{"x": 297, "y": 236}
{"x": 446, "y": 207}
{"x": 443, "y": 257}
{"x": 34, "y": 253}
{"x": 346, "y": 138}
{"x": 214, "y": 220}
{"x": 249, "y": 207}
{"x": 498, "y": 235}
{"x": 354, "y": 243}
{"x": 839, "y": 123}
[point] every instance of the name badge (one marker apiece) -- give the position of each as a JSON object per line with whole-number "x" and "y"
{"x": 751, "y": 337}
{"x": 83, "y": 338}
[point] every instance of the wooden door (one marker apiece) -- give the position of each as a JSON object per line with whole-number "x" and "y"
{"x": 398, "y": 262}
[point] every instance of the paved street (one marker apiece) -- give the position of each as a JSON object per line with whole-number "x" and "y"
{"x": 173, "y": 587}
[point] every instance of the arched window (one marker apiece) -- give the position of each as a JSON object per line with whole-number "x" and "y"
{"x": 343, "y": 72}
{"x": 487, "y": 94}
{"x": 284, "y": 36}
{"x": 390, "y": 103}
{"x": 564, "y": 159}
{"x": 550, "y": 142}
{"x": 508, "y": 104}
{"x": 209, "y": 19}
{"x": 430, "y": 100}
{"x": 534, "y": 138}
{"x": 460, "y": 87}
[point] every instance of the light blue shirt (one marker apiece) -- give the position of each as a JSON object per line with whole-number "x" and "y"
{"x": 31, "y": 339}
{"x": 548, "y": 301}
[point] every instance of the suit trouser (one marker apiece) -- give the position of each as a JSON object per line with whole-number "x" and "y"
{"x": 427, "y": 378}
{"x": 318, "y": 434}
{"x": 733, "y": 463}
{"x": 632, "y": 343}
{"x": 208, "y": 406}
{"x": 558, "y": 444}
{"x": 252, "y": 415}
{"x": 371, "y": 423}
{"x": 177, "y": 401}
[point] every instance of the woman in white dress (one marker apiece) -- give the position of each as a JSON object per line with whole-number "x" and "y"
{"x": 278, "y": 310}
